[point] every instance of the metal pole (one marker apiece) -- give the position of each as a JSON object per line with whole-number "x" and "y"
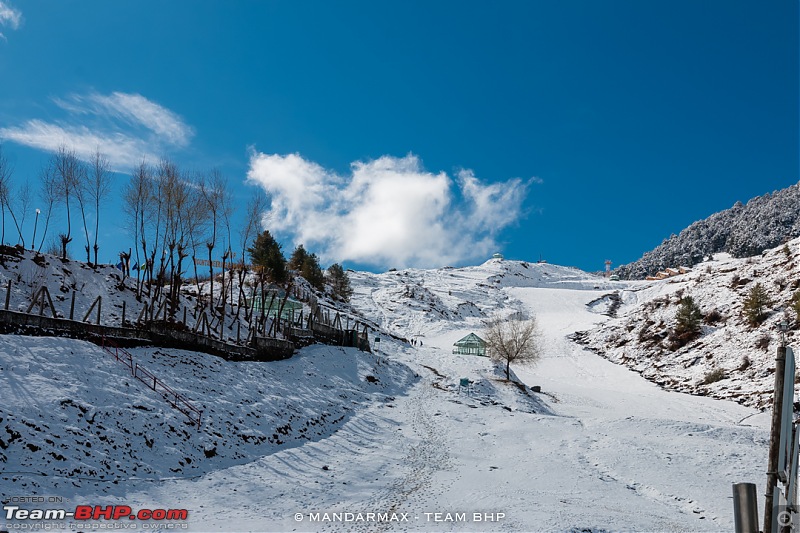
{"x": 35, "y": 224}
{"x": 775, "y": 437}
{"x": 745, "y": 508}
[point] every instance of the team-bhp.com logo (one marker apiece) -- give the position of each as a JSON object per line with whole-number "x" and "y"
{"x": 94, "y": 512}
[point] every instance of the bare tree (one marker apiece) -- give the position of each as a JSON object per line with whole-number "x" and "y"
{"x": 218, "y": 205}
{"x": 5, "y": 192}
{"x": 67, "y": 169}
{"x": 81, "y": 191}
{"x": 137, "y": 198}
{"x": 91, "y": 187}
{"x": 226, "y": 211}
{"x": 250, "y": 228}
{"x": 156, "y": 207}
{"x": 24, "y": 201}
{"x": 49, "y": 194}
{"x": 182, "y": 215}
{"x": 99, "y": 188}
{"x": 167, "y": 179}
{"x": 192, "y": 222}
{"x": 8, "y": 199}
{"x": 164, "y": 204}
{"x": 512, "y": 339}
{"x": 198, "y": 229}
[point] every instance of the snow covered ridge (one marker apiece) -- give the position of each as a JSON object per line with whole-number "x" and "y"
{"x": 415, "y": 302}
{"x": 731, "y": 359}
{"x": 743, "y": 230}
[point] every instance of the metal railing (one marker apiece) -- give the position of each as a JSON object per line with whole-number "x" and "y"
{"x": 172, "y": 397}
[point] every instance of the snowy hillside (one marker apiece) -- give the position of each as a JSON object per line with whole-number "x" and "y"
{"x": 743, "y": 230}
{"x": 335, "y": 430}
{"x": 72, "y": 419}
{"x": 28, "y": 272}
{"x": 731, "y": 359}
{"x": 450, "y": 301}
{"x": 108, "y": 297}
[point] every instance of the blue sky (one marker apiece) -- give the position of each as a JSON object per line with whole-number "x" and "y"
{"x": 394, "y": 134}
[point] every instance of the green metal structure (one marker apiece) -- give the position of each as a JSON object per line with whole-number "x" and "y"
{"x": 470, "y": 345}
{"x": 291, "y": 308}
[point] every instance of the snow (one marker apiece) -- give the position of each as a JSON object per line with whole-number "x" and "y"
{"x": 600, "y": 449}
{"x": 638, "y": 336}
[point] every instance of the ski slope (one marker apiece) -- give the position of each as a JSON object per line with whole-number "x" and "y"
{"x": 601, "y": 449}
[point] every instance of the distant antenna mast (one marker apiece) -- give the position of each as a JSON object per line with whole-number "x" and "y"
{"x": 608, "y": 267}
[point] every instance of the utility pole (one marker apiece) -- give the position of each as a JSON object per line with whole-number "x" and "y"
{"x": 775, "y": 435}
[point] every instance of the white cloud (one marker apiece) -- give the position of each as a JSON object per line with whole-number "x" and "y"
{"x": 10, "y": 16}
{"x": 121, "y": 150}
{"x": 125, "y": 127}
{"x": 134, "y": 109}
{"x": 386, "y": 212}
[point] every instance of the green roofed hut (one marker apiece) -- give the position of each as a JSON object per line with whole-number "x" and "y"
{"x": 470, "y": 345}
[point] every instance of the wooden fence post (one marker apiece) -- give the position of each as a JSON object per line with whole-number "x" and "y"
{"x": 72, "y": 306}
{"x": 142, "y": 315}
{"x": 97, "y": 302}
{"x": 8, "y": 294}
{"x": 41, "y": 300}
{"x": 46, "y": 292}
{"x": 123, "y": 313}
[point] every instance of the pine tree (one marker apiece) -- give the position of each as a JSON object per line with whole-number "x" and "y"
{"x": 298, "y": 258}
{"x": 340, "y": 282}
{"x": 688, "y": 318}
{"x": 312, "y": 272}
{"x": 307, "y": 265}
{"x": 756, "y": 304}
{"x": 266, "y": 254}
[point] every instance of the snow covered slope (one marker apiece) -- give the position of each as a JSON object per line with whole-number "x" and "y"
{"x": 731, "y": 359}
{"x": 331, "y": 430}
{"x": 450, "y": 301}
{"x": 72, "y": 419}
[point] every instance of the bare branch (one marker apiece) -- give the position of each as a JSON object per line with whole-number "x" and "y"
{"x": 512, "y": 340}
{"x": 99, "y": 188}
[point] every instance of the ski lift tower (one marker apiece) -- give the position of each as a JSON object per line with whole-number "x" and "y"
{"x": 608, "y": 267}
